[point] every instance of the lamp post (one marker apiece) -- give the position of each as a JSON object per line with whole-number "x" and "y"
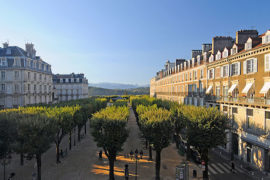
{"x": 136, "y": 160}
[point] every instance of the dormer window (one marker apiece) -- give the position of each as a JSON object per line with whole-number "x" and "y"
{"x": 233, "y": 51}
{"x": 8, "y": 52}
{"x": 211, "y": 58}
{"x": 225, "y": 53}
{"x": 248, "y": 44}
{"x": 218, "y": 55}
{"x": 266, "y": 37}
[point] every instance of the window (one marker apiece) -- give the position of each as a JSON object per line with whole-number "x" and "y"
{"x": 29, "y": 88}
{"x": 225, "y": 108}
{"x": 250, "y": 66}
{"x": 248, "y": 45}
{"x": 16, "y": 74}
{"x": 234, "y": 110}
{"x": 17, "y": 62}
{"x": 217, "y": 91}
{"x": 3, "y": 62}
{"x": 235, "y": 69}
{"x": 194, "y": 87}
{"x": 35, "y": 88}
{"x": 3, "y": 75}
{"x": 186, "y": 77}
{"x": 211, "y": 73}
{"x": 225, "y": 90}
{"x": 201, "y": 87}
{"x": 201, "y": 73}
{"x": 234, "y": 51}
{"x": 190, "y": 76}
{"x": 267, "y": 120}
{"x": 35, "y": 76}
{"x": 28, "y": 75}
{"x": 267, "y": 62}
{"x": 195, "y": 74}
{"x": 3, "y": 87}
{"x": 225, "y": 71}
{"x": 40, "y": 77}
{"x": 250, "y": 112}
{"x": 16, "y": 88}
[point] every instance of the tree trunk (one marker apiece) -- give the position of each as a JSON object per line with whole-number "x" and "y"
{"x": 158, "y": 152}
{"x": 74, "y": 136}
{"x": 57, "y": 153}
{"x": 22, "y": 159}
{"x": 4, "y": 165}
{"x": 205, "y": 159}
{"x": 85, "y": 128}
{"x": 79, "y": 133}
{"x": 111, "y": 161}
{"x": 146, "y": 144}
{"x": 150, "y": 152}
{"x": 188, "y": 152}
{"x": 38, "y": 157}
{"x": 70, "y": 140}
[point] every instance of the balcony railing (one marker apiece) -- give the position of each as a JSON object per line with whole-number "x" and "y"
{"x": 186, "y": 94}
{"x": 243, "y": 100}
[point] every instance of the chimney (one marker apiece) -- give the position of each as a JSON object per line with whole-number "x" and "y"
{"x": 206, "y": 47}
{"x": 243, "y": 35}
{"x": 5, "y": 45}
{"x": 29, "y": 48}
{"x": 195, "y": 53}
{"x": 220, "y": 42}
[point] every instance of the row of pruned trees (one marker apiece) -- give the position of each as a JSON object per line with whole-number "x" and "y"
{"x": 202, "y": 128}
{"x": 109, "y": 131}
{"x": 30, "y": 131}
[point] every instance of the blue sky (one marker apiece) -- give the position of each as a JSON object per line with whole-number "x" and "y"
{"x": 123, "y": 41}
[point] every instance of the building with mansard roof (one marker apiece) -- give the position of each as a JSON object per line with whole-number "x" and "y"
{"x": 25, "y": 78}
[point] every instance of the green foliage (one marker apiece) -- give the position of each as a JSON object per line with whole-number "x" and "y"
{"x": 109, "y": 131}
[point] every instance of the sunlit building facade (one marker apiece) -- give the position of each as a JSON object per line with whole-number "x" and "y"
{"x": 234, "y": 76}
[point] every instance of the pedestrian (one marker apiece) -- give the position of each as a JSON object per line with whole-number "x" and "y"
{"x": 100, "y": 154}
{"x": 141, "y": 154}
{"x": 126, "y": 172}
{"x": 131, "y": 154}
{"x": 233, "y": 167}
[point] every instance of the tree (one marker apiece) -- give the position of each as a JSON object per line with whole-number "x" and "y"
{"x": 109, "y": 131}
{"x": 157, "y": 126}
{"x": 7, "y": 138}
{"x": 38, "y": 131}
{"x": 206, "y": 130}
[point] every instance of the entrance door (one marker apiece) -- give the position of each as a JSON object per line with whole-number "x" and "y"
{"x": 235, "y": 143}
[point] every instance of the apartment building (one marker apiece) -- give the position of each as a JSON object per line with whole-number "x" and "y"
{"x": 235, "y": 79}
{"x": 70, "y": 87}
{"x": 25, "y": 78}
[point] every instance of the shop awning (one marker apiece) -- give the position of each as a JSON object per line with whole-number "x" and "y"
{"x": 208, "y": 89}
{"x": 255, "y": 142}
{"x": 265, "y": 88}
{"x": 232, "y": 88}
{"x": 247, "y": 87}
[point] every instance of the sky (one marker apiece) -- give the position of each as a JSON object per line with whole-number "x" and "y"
{"x": 123, "y": 41}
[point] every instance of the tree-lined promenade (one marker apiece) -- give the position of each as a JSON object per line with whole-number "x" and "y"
{"x": 161, "y": 123}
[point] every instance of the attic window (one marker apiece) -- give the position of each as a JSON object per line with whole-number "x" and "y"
{"x": 8, "y": 52}
{"x": 248, "y": 45}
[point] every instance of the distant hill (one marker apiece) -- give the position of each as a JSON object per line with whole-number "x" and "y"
{"x": 96, "y": 91}
{"x": 118, "y": 86}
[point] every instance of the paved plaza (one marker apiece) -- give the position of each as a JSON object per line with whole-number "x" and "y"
{"x": 82, "y": 162}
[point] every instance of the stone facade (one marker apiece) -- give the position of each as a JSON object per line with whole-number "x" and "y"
{"x": 25, "y": 78}
{"x": 70, "y": 87}
{"x": 236, "y": 79}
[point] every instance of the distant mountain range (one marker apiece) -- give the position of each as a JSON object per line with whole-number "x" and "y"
{"x": 96, "y": 91}
{"x": 106, "y": 85}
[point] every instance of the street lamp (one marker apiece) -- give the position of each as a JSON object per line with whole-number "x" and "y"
{"x": 136, "y": 159}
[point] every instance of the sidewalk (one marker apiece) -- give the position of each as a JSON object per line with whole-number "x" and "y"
{"x": 252, "y": 172}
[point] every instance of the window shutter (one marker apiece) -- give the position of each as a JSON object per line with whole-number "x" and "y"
{"x": 239, "y": 68}
{"x": 230, "y": 70}
{"x": 255, "y": 65}
{"x": 245, "y": 67}
{"x": 266, "y": 62}
{"x": 213, "y": 73}
{"x": 221, "y": 71}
